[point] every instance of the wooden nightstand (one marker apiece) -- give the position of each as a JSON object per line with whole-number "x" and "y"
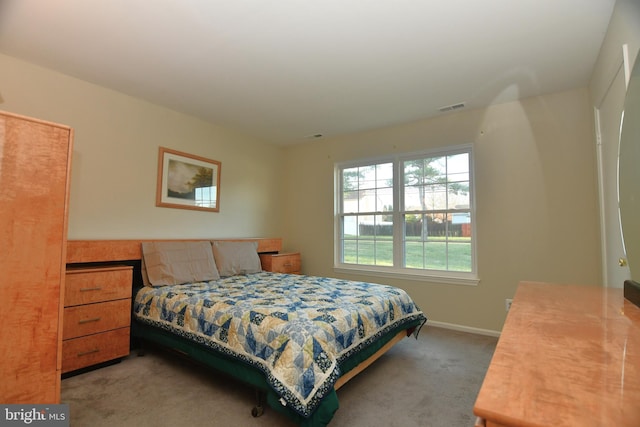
{"x": 97, "y": 315}
{"x": 281, "y": 263}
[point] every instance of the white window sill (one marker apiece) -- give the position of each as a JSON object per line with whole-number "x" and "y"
{"x": 466, "y": 279}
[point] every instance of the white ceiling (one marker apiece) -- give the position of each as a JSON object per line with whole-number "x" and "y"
{"x": 287, "y": 69}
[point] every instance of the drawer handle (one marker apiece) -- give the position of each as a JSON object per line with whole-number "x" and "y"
{"x": 97, "y": 288}
{"x": 93, "y": 319}
{"x": 85, "y": 353}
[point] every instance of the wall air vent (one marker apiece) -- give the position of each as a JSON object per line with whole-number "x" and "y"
{"x": 453, "y": 107}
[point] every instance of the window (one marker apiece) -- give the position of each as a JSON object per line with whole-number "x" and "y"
{"x": 408, "y": 215}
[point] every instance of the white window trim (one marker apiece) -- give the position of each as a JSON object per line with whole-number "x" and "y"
{"x": 429, "y": 276}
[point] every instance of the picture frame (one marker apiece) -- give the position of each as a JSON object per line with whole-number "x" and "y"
{"x": 186, "y": 181}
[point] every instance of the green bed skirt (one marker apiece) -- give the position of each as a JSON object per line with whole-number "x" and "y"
{"x": 254, "y": 376}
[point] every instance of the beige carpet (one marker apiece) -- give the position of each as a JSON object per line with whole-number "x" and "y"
{"x": 432, "y": 381}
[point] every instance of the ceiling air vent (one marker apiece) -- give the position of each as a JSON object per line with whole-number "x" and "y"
{"x": 453, "y": 107}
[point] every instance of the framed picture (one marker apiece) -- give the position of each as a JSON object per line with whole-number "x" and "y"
{"x": 186, "y": 181}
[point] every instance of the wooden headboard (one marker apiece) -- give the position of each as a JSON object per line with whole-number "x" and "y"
{"x": 89, "y": 251}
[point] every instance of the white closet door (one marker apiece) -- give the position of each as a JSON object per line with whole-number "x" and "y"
{"x": 608, "y": 116}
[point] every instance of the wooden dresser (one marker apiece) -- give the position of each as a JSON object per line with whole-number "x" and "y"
{"x": 286, "y": 262}
{"x": 97, "y": 315}
{"x": 34, "y": 175}
{"x": 567, "y": 356}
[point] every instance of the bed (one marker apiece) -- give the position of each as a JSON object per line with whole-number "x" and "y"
{"x": 295, "y": 338}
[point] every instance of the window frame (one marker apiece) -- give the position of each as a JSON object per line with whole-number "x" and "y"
{"x": 395, "y": 271}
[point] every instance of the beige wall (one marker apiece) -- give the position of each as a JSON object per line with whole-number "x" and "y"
{"x": 536, "y": 200}
{"x": 115, "y": 158}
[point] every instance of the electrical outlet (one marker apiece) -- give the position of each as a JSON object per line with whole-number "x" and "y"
{"x": 507, "y": 303}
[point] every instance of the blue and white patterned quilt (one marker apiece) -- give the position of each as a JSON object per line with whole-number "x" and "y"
{"x": 296, "y": 329}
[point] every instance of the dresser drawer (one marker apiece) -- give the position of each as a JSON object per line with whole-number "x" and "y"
{"x": 281, "y": 263}
{"x": 86, "y": 351}
{"x": 88, "y": 285}
{"x": 93, "y": 318}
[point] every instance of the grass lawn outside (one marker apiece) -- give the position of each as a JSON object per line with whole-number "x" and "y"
{"x": 437, "y": 253}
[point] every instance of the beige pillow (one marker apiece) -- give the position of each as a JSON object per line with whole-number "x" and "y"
{"x": 175, "y": 263}
{"x": 236, "y": 257}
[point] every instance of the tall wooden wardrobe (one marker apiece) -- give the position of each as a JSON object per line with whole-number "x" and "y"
{"x": 34, "y": 187}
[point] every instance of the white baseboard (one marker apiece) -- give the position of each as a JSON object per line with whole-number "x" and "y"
{"x": 463, "y": 328}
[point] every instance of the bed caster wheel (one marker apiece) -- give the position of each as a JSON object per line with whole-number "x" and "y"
{"x": 257, "y": 411}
